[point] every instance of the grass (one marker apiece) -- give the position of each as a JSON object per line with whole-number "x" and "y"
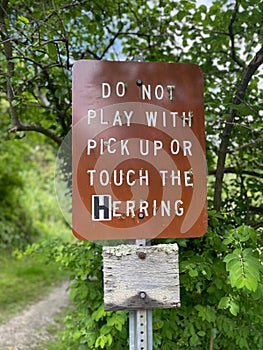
{"x": 24, "y": 281}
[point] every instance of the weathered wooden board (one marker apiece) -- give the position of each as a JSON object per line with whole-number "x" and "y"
{"x": 141, "y": 277}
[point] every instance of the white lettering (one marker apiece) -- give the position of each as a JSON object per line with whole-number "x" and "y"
{"x": 164, "y": 119}
{"x": 154, "y": 207}
{"x": 179, "y": 211}
{"x": 174, "y": 143}
{"x": 144, "y": 177}
{"x": 91, "y": 173}
{"x": 91, "y": 115}
{"x": 130, "y": 206}
{"x": 91, "y": 145}
{"x": 164, "y": 176}
{"x": 104, "y": 204}
{"x": 187, "y": 118}
{"x": 187, "y": 178}
{"x": 115, "y": 208}
{"x": 146, "y": 151}
{"x": 124, "y": 149}
{"x": 157, "y": 145}
{"x": 187, "y": 145}
{"x": 112, "y": 151}
{"x": 143, "y": 207}
{"x": 146, "y": 92}
{"x": 151, "y": 118}
{"x": 117, "y": 119}
{"x": 128, "y": 117}
{"x": 159, "y": 95}
{"x": 146, "y": 147}
{"x": 105, "y": 90}
{"x": 104, "y": 178}
{"x": 121, "y": 176}
{"x": 171, "y": 89}
{"x": 165, "y": 208}
{"x": 176, "y": 177}
{"x": 102, "y": 121}
{"x": 174, "y": 115}
{"x": 129, "y": 173}
{"x": 158, "y": 92}
{"x": 120, "y": 89}
{"x": 102, "y": 143}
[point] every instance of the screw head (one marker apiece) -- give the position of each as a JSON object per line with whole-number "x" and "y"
{"x": 139, "y": 82}
{"x": 140, "y": 215}
{"x": 142, "y": 295}
{"x": 142, "y": 255}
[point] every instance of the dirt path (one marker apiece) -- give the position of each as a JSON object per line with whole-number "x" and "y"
{"x": 28, "y": 329}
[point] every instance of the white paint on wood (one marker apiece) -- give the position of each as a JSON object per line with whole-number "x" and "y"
{"x": 141, "y": 277}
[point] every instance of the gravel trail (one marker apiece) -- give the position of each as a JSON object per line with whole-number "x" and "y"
{"x": 28, "y": 329}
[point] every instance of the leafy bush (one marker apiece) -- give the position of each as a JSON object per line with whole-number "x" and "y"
{"x": 221, "y": 284}
{"x": 15, "y": 224}
{"x": 28, "y": 206}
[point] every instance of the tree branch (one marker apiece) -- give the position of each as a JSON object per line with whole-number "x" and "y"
{"x": 38, "y": 128}
{"x": 17, "y": 125}
{"x": 256, "y": 210}
{"x": 7, "y": 44}
{"x": 112, "y": 41}
{"x": 247, "y": 74}
{"x": 232, "y": 37}
{"x": 232, "y": 170}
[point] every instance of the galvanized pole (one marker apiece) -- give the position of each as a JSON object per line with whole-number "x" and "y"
{"x": 140, "y": 324}
{"x": 140, "y": 321}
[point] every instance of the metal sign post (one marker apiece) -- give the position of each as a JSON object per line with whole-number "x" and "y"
{"x": 140, "y": 330}
{"x": 140, "y": 278}
{"x": 140, "y": 324}
{"x": 138, "y": 173}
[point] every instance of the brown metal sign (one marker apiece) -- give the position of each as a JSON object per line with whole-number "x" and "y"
{"x": 138, "y": 161}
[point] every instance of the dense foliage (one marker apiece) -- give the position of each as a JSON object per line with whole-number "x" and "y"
{"x": 221, "y": 273}
{"x": 221, "y": 293}
{"x": 28, "y": 206}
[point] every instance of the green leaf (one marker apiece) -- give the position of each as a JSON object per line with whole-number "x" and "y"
{"x": 233, "y": 307}
{"x": 181, "y": 15}
{"x": 22, "y": 19}
{"x": 243, "y": 269}
{"x": 193, "y": 272}
{"x": 245, "y": 233}
{"x": 224, "y": 303}
{"x": 15, "y": 103}
{"x": 242, "y": 108}
{"x": 206, "y": 313}
{"x": 194, "y": 340}
{"x": 201, "y": 333}
{"x": 228, "y": 240}
{"x": 76, "y": 335}
{"x": 203, "y": 8}
{"x": 100, "y": 342}
{"x": 158, "y": 325}
{"x": 99, "y": 313}
{"x": 109, "y": 339}
{"x": 52, "y": 51}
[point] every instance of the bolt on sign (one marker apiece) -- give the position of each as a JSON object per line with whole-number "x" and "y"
{"x": 138, "y": 161}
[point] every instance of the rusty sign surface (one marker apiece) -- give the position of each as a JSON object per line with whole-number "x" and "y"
{"x": 138, "y": 159}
